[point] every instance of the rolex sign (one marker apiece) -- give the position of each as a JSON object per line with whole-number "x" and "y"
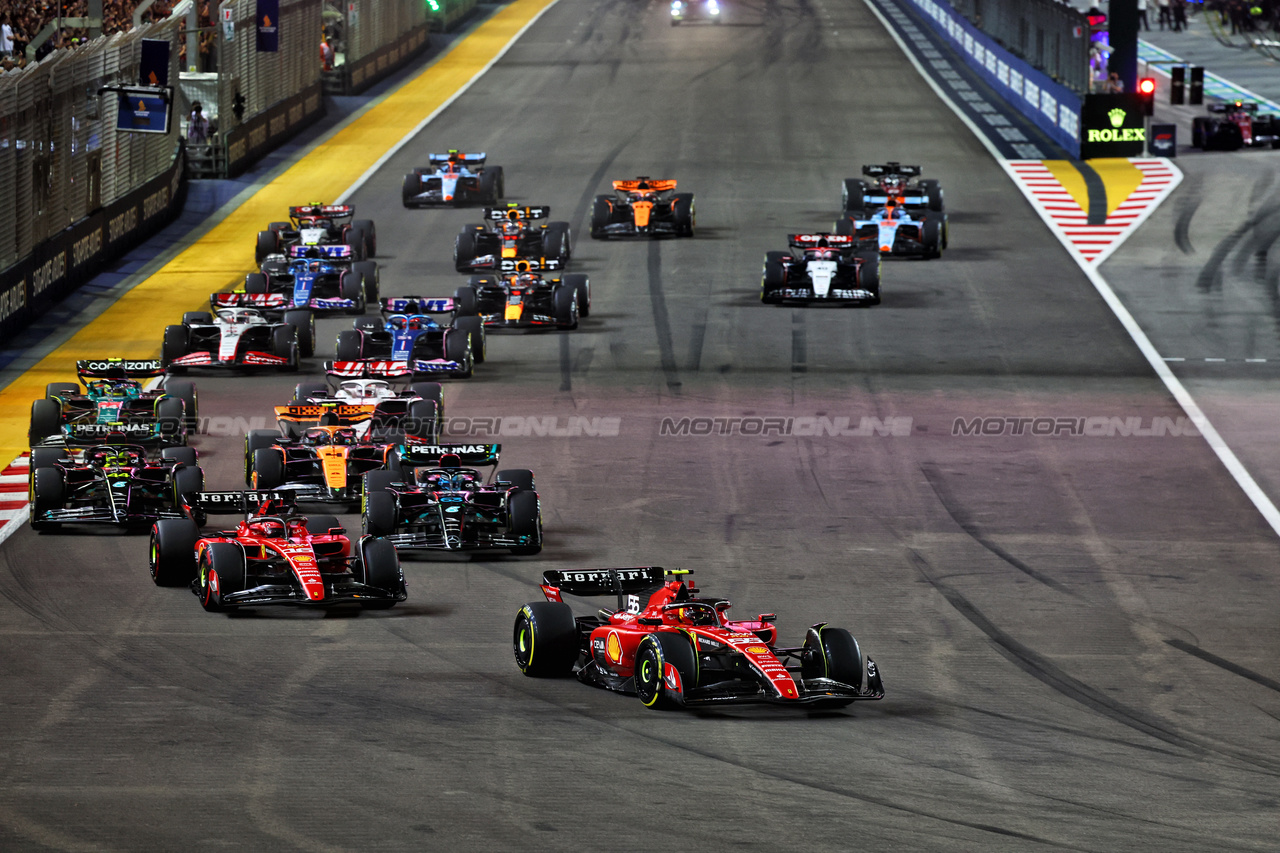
{"x": 1112, "y": 126}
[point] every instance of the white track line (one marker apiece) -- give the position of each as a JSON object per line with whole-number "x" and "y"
{"x": 1225, "y": 454}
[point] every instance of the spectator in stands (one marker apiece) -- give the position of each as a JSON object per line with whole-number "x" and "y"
{"x": 326, "y": 54}
{"x": 197, "y": 125}
{"x": 6, "y": 36}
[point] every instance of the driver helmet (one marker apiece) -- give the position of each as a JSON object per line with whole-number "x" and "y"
{"x": 414, "y": 323}
{"x": 703, "y": 616}
{"x": 344, "y": 437}
{"x": 315, "y": 438}
{"x": 314, "y": 266}
{"x": 509, "y": 227}
{"x": 267, "y": 528}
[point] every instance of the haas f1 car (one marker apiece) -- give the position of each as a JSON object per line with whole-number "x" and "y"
{"x": 272, "y": 557}
{"x": 407, "y": 334}
{"x": 821, "y": 268}
{"x": 644, "y": 207}
{"x": 511, "y": 234}
{"x": 429, "y": 502}
{"x": 455, "y": 179}
{"x": 671, "y": 647}
{"x": 1235, "y": 125}
{"x": 319, "y": 225}
{"x": 111, "y": 484}
{"x": 114, "y": 407}
{"x": 239, "y": 338}
{"x": 525, "y": 299}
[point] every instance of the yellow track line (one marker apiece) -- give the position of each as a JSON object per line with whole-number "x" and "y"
{"x": 134, "y": 325}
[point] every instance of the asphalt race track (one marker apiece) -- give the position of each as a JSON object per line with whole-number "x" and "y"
{"x": 1077, "y": 630}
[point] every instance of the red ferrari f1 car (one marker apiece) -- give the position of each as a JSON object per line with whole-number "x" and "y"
{"x": 272, "y": 557}
{"x": 670, "y": 647}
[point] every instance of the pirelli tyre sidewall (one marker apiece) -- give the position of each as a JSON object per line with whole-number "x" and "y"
{"x": 654, "y": 655}
{"x": 222, "y": 571}
{"x": 544, "y": 639}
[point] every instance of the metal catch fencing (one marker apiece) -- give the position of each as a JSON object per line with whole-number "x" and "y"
{"x": 60, "y": 155}
{"x": 1049, "y": 35}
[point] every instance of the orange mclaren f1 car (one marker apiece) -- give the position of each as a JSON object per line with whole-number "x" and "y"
{"x": 643, "y": 207}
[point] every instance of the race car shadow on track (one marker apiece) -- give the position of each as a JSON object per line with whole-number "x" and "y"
{"x": 341, "y": 611}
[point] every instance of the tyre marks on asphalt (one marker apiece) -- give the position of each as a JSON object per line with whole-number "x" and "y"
{"x": 661, "y": 320}
{"x": 799, "y": 342}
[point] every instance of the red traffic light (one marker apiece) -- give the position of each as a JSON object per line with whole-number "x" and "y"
{"x": 1147, "y": 86}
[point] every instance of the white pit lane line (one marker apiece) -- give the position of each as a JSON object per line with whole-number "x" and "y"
{"x": 1158, "y": 363}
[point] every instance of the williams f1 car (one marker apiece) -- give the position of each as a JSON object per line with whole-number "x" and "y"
{"x": 241, "y": 338}
{"x": 644, "y": 207}
{"x": 513, "y": 234}
{"x": 821, "y": 268}
{"x": 408, "y": 334}
{"x": 273, "y": 557}
{"x": 429, "y": 502}
{"x": 1235, "y": 125}
{"x": 454, "y": 178}
{"x": 319, "y": 225}
{"x": 379, "y": 405}
{"x": 890, "y": 182}
{"x": 670, "y": 647}
{"x": 114, "y": 407}
{"x": 525, "y": 299}
{"x": 111, "y": 484}
{"x": 891, "y": 230}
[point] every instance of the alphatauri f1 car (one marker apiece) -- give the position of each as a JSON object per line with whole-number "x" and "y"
{"x": 821, "y": 268}
{"x": 670, "y": 647}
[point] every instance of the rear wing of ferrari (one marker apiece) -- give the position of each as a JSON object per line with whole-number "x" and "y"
{"x": 816, "y": 241}
{"x": 418, "y": 305}
{"x": 240, "y": 503}
{"x": 331, "y": 211}
{"x": 644, "y": 185}
{"x": 423, "y": 455}
{"x": 456, "y": 157}
{"x": 119, "y": 368}
{"x": 592, "y": 582}
{"x": 497, "y": 214}
{"x": 891, "y": 168}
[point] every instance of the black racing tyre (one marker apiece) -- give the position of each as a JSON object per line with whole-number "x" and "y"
{"x": 489, "y": 186}
{"x": 582, "y": 285}
{"x": 222, "y": 572}
{"x": 1229, "y": 136}
{"x": 47, "y": 457}
{"x": 354, "y": 239}
{"x": 351, "y": 286}
{"x": 370, "y": 236}
{"x": 653, "y": 654}
{"x": 61, "y": 389}
{"x": 524, "y": 518}
{"x": 46, "y": 420}
{"x": 832, "y": 653}
{"x": 176, "y": 342}
{"x": 465, "y": 303}
{"x": 773, "y": 278}
{"x": 564, "y": 300}
{"x": 545, "y": 639}
{"x": 464, "y": 250}
{"x": 931, "y": 236}
{"x": 502, "y": 180}
{"x": 555, "y": 241}
{"x": 186, "y": 392}
{"x": 181, "y": 455}
{"x": 1199, "y": 124}
{"x": 946, "y": 232}
{"x": 410, "y": 188}
{"x": 304, "y": 320}
{"x": 422, "y": 420}
{"x": 378, "y": 517}
{"x": 187, "y": 479}
{"x": 370, "y": 275}
{"x": 381, "y": 569}
{"x": 474, "y": 326}
{"x": 255, "y": 440}
{"x": 457, "y": 347}
{"x": 846, "y": 227}
{"x": 48, "y": 491}
{"x": 172, "y": 556}
{"x": 852, "y": 193}
{"x": 320, "y": 525}
{"x": 368, "y": 325}
{"x": 520, "y": 478}
{"x": 429, "y": 391}
{"x": 284, "y": 343}
{"x": 254, "y": 282}
{"x": 305, "y": 391}
{"x": 171, "y": 419}
{"x": 684, "y": 213}
{"x": 268, "y": 468}
{"x": 869, "y": 273}
{"x": 350, "y": 345}
{"x": 933, "y": 195}
{"x": 601, "y": 215}
{"x": 380, "y": 480}
{"x": 268, "y": 244}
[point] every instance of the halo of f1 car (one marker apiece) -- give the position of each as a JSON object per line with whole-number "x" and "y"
{"x": 370, "y": 435}
{"x": 671, "y": 647}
